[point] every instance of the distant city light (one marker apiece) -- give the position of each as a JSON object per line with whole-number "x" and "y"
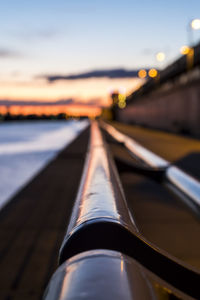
{"x": 195, "y": 24}
{"x": 122, "y": 104}
{"x": 153, "y": 73}
{"x": 122, "y": 100}
{"x": 160, "y": 56}
{"x": 185, "y": 50}
{"x": 142, "y": 73}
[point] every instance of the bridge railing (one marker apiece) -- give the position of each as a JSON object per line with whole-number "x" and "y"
{"x": 175, "y": 178}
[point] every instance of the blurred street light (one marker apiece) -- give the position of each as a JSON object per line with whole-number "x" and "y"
{"x": 185, "y": 50}
{"x": 121, "y": 100}
{"x": 195, "y": 24}
{"x": 142, "y": 73}
{"x": 153, "y": 73}
{"x": 189, "y": 52}
{"x": 122, "y": 104}
{"x": 160, "y": 56}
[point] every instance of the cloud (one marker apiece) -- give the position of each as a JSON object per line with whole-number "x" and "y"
{"x": 8, "y": 53}
{"x": 36, "y": 103}
{"x": 62, "y": 102}
{"x": 113, "y": 73}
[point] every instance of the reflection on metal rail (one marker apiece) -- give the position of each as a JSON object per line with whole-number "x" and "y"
{"x": 139, "y": 152}
{"x": 101, "y": 220}
{"x": 180, "y": 180}
{"x": 100, "y": 202}
{"x": 105, "y": 274}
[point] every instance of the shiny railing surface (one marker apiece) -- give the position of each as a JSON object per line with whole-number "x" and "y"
{"x": 100, "y": 195}
{"x": 101, "y": 220}
{"x": 139, "y": 152}
{"x": 178, "y": 179}
{"x": 100, "y": 198}
{"x": 185, "y": 183}
{"x": 105, "y": 274}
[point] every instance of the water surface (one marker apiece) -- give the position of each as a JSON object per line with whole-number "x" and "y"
{"x": 26, "y": 147}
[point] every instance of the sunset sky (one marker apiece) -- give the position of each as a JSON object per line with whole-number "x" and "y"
{"x": 47, "y": 38}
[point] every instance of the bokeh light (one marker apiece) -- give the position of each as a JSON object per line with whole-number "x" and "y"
{"x": 142, "y": 73}
{"x": 153, "y": 73}
{"x": 185, "y": 50}
{"x": 160, "y": 56}
{"x": 195, "y": 24}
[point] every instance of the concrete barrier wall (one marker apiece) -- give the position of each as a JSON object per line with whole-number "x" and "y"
{"x": 176, "y": 110}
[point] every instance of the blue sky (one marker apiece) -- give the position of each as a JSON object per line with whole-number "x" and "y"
{"x": 64, "y": 37}
{"x": 71, "y": 36}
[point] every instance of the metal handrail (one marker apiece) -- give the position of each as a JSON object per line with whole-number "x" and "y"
{"x": 100, "y": 198}
{"x": 174, "y": 176}
{"x": 101, "y": 220}
{"x": 139, "y": 152}
{"x": 100, "y": 194}
{"x": 104, "y": 274}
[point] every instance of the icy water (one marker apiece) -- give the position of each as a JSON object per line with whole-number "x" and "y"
{"x": 26, "y": 147}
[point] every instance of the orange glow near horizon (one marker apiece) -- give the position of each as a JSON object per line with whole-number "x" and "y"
{"x": 71, "y": 110}
{"x": 88, "y": 95}
{"x": 95, "y": 90}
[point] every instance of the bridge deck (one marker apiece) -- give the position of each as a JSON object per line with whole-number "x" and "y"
{"x": 32, "y": 226}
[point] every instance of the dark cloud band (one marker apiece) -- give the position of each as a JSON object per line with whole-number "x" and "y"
{"x": 36, "y": 103}
{"x": 114, "y": 73}
{"x": 70, "y": 101}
